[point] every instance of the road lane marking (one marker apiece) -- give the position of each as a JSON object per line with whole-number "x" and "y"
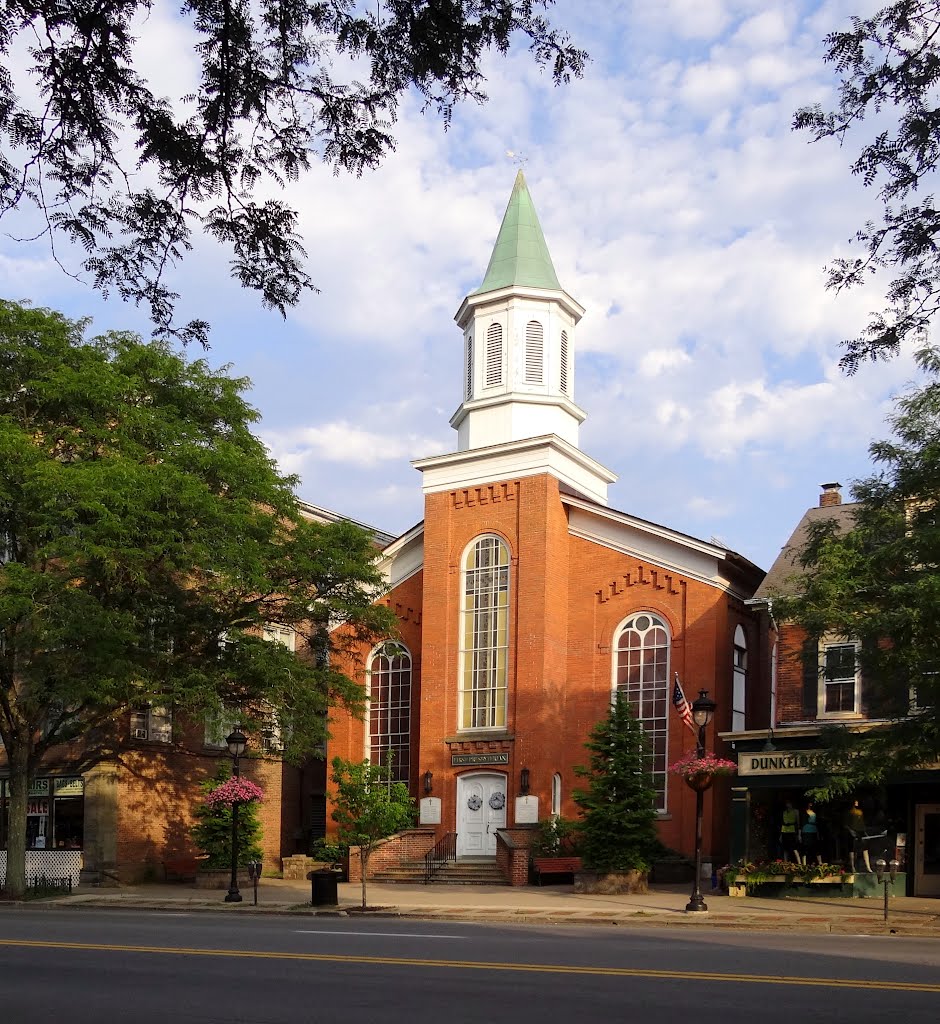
{"x": 384, "y": 935}
{"x": 475, "y": 965}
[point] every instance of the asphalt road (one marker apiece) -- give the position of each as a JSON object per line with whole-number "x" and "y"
{"x": 79, "y": 966}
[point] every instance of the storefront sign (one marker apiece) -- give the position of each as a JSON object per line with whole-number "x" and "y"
{"x": 465, "y": 759}
{"x": 69, "y": 787}
{"x": 776, "y": 762}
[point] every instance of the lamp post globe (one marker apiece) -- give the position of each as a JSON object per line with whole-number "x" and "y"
{"x": 236, "y": 743}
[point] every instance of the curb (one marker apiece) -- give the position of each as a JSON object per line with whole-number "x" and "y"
{"x": 855, "y": 925}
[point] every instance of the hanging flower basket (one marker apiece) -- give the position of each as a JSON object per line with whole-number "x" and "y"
{"x": 234, "y": 791}
{"x": 699, "y": 772}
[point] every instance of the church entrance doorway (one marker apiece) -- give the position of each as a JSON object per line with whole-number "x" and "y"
{"x": 481, "y": 810}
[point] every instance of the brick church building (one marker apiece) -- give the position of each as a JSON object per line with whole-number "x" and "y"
{"x": 525, "y": 601}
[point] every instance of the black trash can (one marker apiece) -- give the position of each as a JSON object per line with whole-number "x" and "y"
{"x": 323, "y": 888}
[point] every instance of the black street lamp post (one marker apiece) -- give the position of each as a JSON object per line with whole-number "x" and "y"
{"x": 236, "y": 747}
{"x": 703, "y": 710}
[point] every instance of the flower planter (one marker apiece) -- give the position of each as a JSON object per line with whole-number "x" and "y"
{"x": 220, "y": 878}
{"x": 739, "y": 887}
{"x": 610, "y": 883}
{"x": 700, "y": 781}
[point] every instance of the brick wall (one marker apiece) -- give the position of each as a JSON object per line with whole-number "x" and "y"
{"x": 402, "y": 848}
{"x": 512, "y": 854}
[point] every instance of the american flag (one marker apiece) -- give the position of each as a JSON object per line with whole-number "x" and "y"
{"x": 682, "y": 706}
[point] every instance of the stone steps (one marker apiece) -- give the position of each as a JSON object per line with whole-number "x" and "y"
{"x": 462, "y": 872}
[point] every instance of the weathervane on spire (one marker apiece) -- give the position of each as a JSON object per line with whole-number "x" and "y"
{"x": 517, "y": 158}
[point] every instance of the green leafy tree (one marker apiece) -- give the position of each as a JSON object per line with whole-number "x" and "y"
{"x": 212, "y": 832}
{"x": 618, "y": 826}
{"x": 146, "y": 538}
{"x": 130, "y": 177}
{"x": 889, "y": 65}
{"x": 878, "y": 585}
{"x": 369, "y": 807}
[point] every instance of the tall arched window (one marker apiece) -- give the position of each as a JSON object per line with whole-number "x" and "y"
{"x": 484, "y": 635}
{"x": 642, "y": 675}
{"x": 534, "y": 353}
{"x": 739, "y": 681}
{"x": 389, "y": 676}
{"x": 494, "y": 356}
{"x": 556, "y": 794}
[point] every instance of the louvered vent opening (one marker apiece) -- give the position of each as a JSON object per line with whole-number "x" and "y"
{"x": 534, "y": 353}
{"x": 469, "y": 366}
{"x": 494, "y": 355}
{"x": 564, "y": 363}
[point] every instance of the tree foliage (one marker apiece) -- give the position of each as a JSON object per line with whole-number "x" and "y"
{"x": 889, "y": 65}
{"x": 130, "y": 176}
{"x": 618, "y": 827}
{"x": 146, "y": 539}
{"x": 878, "y": 585}
{"x": 368, "y": 807}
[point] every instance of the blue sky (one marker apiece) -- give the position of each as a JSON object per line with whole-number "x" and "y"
{"x": 679, "y": 208}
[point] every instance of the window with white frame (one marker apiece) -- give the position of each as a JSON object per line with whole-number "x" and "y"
{"x": 556, "y": 794}
{"x": 219, "y": 723}
{"x": 269, "y": 733}
{"x": 389, "y": 685}
{"x": 739, "y": 680}
{"x": 278, "y": 634}
{"x": 841, "y": 690}
{"x": 641, "y": 674}
{"x": 484, "y": 635}
{"x": 152, "y": 723}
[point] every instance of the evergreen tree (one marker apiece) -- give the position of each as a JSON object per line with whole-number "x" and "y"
{"x": 618, "y": 827}
{"x": 212, "y": 832}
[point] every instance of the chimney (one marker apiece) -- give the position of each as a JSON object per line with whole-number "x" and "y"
{"x": 831, "y": 495}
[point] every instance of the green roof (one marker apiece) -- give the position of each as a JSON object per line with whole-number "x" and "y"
{"x": 520, "y": 256}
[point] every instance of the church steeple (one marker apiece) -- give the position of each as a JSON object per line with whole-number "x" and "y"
{"x": 519, "y": 328}
{"x": 520, "y": 256}
{"x": 518, "y": 416}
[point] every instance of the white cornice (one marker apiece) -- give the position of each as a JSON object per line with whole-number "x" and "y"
{"x": 527, "y": 457}
{"x": 517, "y": 398}
{"x": 500, "y": 295}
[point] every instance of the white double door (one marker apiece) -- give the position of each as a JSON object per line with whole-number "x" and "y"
{"x": 481, "y": 810}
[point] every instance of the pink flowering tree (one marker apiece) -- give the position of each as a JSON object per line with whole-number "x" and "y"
{"x": 212, "y": 832}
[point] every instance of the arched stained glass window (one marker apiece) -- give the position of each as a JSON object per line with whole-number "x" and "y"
{"x": 389, "y": 680}
{"x": 642, "y": 675}
{"x": 484, "y": 635}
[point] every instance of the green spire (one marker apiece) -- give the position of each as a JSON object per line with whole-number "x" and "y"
{"x": 520, "y": 255}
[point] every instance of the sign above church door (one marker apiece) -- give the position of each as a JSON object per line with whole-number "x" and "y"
{"x": 458, "y": 760}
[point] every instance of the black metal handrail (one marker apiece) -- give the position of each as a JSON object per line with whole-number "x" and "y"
{"x": 445, "y": 851}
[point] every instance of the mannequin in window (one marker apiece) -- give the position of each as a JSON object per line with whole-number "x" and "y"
{"x": 810, "y": 836}
{"x": 855, "y": 826}
{"x": 790, "y": 832}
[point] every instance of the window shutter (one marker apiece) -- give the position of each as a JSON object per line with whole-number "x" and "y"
{"x": 810, "y": 677}
{"x": 469, "y": 366}
{"x": 494, "y": 355}
{"x": 534, "y": 353}
{"x": 563, "y": 378}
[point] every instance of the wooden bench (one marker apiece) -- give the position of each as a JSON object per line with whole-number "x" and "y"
{"x": 180, "y": 869}
{"x": 555, "y": 866}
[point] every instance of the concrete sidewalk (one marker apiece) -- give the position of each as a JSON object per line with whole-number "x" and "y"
{"x": 558, "y": 904}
